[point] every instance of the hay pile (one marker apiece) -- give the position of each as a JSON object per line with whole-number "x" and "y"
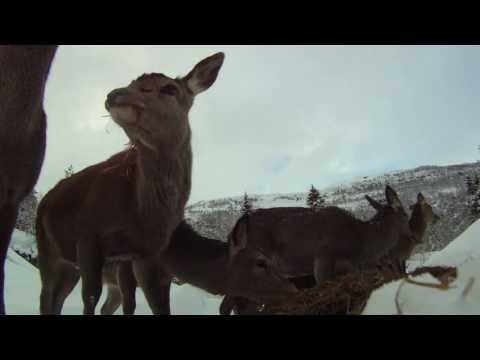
{"x": 347, "y": 294}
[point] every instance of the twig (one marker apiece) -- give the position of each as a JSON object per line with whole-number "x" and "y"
{"x": 468, "y": 288}
{"x": 397, "y": 304}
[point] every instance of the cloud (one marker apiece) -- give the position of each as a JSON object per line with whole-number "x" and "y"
{"x": 279, "y": 118}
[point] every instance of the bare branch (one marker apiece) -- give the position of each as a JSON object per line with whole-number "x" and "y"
{"x": 467, "y": 288}
{"x": 397, "y": 294}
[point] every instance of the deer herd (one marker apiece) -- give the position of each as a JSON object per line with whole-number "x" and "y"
{"x": 120, "y": 223}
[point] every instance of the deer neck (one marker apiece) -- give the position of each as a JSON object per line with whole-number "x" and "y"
{"x": 163, "y": 182}
{"x": 197, "y": 260}
{"x": 418, "y": 225}
{"x": 377, "y": 238}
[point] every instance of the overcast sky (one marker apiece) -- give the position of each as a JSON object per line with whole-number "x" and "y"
{"x": 279, "y": 118}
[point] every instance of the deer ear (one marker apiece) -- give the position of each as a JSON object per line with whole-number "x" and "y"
{"x": 375, "y": 204}
{"x": 237, "y": 239}
{"x": 392, "y": 198}
{"x": 204, "y": 74}
{"x": 420, "y": 198}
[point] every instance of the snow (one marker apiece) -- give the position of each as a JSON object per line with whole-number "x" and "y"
{"x": 449, "y": 190}
{"x": 22, "y": 292}
{"x": 463, "y": 253}
{"x": 24, "y": 243}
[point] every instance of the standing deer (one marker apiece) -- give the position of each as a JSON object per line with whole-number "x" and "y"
{"x": 209, "y": 264}
{"x": 304, "y": 242}
{"x": 23, "y": 75}
{"x": 129, "y": 210}
{"x": 422, "y": 216}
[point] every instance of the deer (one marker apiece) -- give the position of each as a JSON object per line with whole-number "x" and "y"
{"x": 23, "y": 75}
{"x": 324, "y": 242}
{"x": 421, "y": 218}
{"x": 130, "y": 209}
{"x": 209, "y": 264}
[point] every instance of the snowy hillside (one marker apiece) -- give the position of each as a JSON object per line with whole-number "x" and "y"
{"x": 463, "y": 297}
{"x": 22, "y": 292}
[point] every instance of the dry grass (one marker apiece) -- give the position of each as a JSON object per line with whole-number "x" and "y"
{"x": 347, "y": 294}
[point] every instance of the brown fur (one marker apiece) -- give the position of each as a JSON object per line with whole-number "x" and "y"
{"x": 422, "y": 216}
{"x": 324, "y": 242}
{"x": 303, "y": 241}
{"x": 23, "y": 75}
{"x": 130, "y": 210}
{"x": 203, "y": 262}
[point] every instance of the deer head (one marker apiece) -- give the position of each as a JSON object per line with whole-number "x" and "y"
{"x": 394, "y": 211}
{"x": 153, "y": 109}
{"x": 425, "y": 209}
{"x": 251, "y": 273}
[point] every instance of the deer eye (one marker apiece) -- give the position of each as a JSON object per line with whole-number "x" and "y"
{"x": 169, "y": 90}
{"x": 146, "y": 90}
{"x": 262, "y": 264}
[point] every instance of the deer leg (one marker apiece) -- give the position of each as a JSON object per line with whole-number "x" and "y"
{"x": 8, "y": 217}
{"x": 227, "y": 305}
{"x": 90, "y": 263}
{"x": 58, "y": 281}
{"x": 155, "y": 285}
{"x": 114, "y": 299}
{"x": 323, "y": 268}
{"x": 128, "y": 287}
{"x": 244, "y": 306}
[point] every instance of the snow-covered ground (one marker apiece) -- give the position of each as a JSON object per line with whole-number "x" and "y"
{"x": 22, "y": 292}
{"x": 463, "y": 253}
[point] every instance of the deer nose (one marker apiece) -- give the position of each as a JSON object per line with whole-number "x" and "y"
{"x": 114, "y": 97}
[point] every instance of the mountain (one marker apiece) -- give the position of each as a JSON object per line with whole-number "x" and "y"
{"x": 443, "y": 186}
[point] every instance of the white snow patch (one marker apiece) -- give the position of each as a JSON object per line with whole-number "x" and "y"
{"x": 464, "y": 253}
{"x": 22, "y": 292}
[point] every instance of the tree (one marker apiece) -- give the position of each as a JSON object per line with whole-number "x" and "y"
{"x": 315, "y": 200}
{"x": 469, "y": 184}
{"x": 246, "y": 206}
{"x": 476, "y": 184}
{"x": 69, "y": 171}
{"x": 475, "y": 205}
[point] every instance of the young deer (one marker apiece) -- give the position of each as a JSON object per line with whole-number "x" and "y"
{"x": 23, "y": 75}
{"x": 422, "y": 216}
{"x": 304, "y": 242}
{"x": 209, "y": 264}
{"x": 130, "y": 209}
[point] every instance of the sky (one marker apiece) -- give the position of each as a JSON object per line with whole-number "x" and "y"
{"x": 278, "y": 118}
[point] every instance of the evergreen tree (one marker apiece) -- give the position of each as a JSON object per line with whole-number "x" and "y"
{"x": 476, "y": 184}
{"x": 314, "y": 199}
{"x": 69, "y": 171}
{"x": 475, "y": 205}
{"x": 469, "y": 184}
{"x": 246, "y": 206}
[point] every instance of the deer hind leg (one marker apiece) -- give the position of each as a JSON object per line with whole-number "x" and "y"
{"x": 8, "y": 217}
{"x": 58, "y": 281}
{"x": 128, "y": 287}
{"x": 90, "y": 263}
{"x": 155, "y": 285}
{"x": 323, "y": 268}
{"x": 114, "y": 299}
{"x": 227, "y": 305}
